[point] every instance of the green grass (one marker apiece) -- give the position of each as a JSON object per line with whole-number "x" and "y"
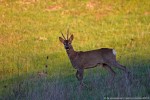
{"x": 29, "y": 32}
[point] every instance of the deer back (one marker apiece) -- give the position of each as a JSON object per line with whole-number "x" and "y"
{"x": 92, "y": 58}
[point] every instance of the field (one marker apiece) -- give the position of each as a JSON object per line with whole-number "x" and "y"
{"x": 29, "y": 34}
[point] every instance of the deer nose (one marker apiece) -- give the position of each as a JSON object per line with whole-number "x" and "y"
{"x": 66, "y": 47}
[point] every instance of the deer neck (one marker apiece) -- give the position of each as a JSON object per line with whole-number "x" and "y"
{"x": 71, "y": 53}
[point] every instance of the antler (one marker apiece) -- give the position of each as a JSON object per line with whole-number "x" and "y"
{"x": 67, "y": 33}
{"x": 63, "y": 35}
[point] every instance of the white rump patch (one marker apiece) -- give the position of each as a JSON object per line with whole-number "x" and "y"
{"x": 114, "y": 52}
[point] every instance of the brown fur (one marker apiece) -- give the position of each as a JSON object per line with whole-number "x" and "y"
{"x": 83, "y": 60}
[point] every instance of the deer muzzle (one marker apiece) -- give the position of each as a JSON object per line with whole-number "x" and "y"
{"x": 66, "y": 47}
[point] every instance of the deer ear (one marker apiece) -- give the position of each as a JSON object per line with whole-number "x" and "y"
{"x": 61, "y": 40}
{"x": 71, "y": 38}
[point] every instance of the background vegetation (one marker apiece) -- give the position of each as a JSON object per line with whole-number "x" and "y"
{"x": 29, "y": 31}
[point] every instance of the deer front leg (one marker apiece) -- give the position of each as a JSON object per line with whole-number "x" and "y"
{"x": 79, "y": 76}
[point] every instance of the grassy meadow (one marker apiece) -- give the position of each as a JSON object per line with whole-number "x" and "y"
{"x": 29, "y": 31}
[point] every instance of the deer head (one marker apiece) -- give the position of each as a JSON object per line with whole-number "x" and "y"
{"x": 67, "y": 42}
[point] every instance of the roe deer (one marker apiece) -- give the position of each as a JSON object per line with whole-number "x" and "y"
{"x": 83, "y": 60}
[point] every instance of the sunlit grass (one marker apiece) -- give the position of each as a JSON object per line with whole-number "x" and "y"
{"x": 29, "y": 32}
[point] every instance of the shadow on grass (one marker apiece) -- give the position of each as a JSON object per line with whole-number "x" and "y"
{"x": 64, "y": 86}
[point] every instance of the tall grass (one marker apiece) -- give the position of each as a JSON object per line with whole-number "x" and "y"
{"x": 29, "y": 32}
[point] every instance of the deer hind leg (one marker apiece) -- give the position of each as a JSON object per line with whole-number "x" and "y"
{"x": 113, "y": 73}
{"x": 79, "y": 76}
{"x": 117, "y": 65}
